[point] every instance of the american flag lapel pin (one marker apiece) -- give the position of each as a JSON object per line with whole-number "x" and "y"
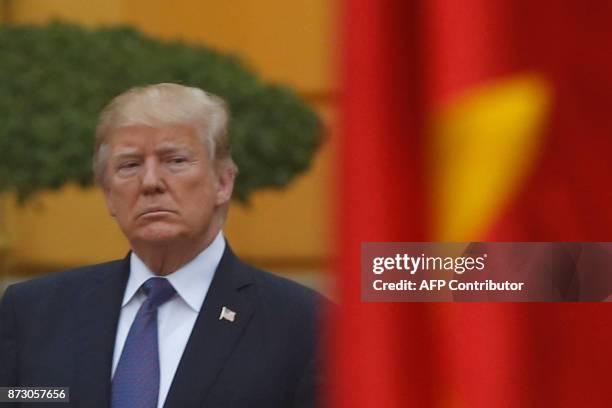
{"x": 227, "y": 314}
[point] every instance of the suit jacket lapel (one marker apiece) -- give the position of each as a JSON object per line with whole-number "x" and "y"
{"x": 97, "y": 316}
{"x": 212, "y": 340}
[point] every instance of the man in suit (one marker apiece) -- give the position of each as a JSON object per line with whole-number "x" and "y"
{"x": 180, "y": 322}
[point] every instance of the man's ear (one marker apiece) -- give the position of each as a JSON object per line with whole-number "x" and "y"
{"x": 225, "y": 184}
{"x": 110, "y": 206}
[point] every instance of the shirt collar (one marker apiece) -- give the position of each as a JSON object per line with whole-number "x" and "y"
{"x": 191, "y": 281}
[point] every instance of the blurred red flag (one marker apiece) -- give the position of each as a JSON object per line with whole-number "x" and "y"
{"x": 403, "y": 62}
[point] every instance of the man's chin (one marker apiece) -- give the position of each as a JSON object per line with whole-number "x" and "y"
{"x": 157, "y": 236}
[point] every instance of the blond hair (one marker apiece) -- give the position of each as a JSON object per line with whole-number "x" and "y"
{"x": 162, "y": 104}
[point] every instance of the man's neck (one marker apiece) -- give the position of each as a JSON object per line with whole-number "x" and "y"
{"x": 163, "y": 258}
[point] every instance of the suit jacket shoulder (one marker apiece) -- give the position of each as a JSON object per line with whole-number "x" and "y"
{"x": 61, "y": 286}
{"x": 283, "y": 294}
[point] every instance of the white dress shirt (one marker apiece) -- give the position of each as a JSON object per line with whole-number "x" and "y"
{"x": 176, "y": 317}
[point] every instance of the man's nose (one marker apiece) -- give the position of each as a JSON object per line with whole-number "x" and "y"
{"x": 152, "y": 179}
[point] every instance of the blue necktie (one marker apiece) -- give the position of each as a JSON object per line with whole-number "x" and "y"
{"x": 136, "y": 380}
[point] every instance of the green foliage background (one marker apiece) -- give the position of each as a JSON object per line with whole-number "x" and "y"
{"x": 55, "y": 79}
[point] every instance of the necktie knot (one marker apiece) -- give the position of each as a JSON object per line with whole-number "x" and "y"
{"x": 158, "y": 291}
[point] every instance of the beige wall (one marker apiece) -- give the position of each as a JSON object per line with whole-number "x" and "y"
{"x": 287, "y": 41}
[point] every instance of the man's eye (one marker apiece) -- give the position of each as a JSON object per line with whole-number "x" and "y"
{"x": 128, "y": 165}
{"x": 178, "y": 160}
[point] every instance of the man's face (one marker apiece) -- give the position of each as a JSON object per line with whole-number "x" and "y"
{"x": 161, "y": 186}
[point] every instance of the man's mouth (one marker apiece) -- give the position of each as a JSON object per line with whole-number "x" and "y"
{"x": 150, "y": 212}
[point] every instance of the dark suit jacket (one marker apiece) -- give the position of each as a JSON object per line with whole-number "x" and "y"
{"x": 60, "y": 331}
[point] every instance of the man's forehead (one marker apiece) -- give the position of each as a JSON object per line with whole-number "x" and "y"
{"x": 160, "y": 148}
{"x": 162, "y": 138}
